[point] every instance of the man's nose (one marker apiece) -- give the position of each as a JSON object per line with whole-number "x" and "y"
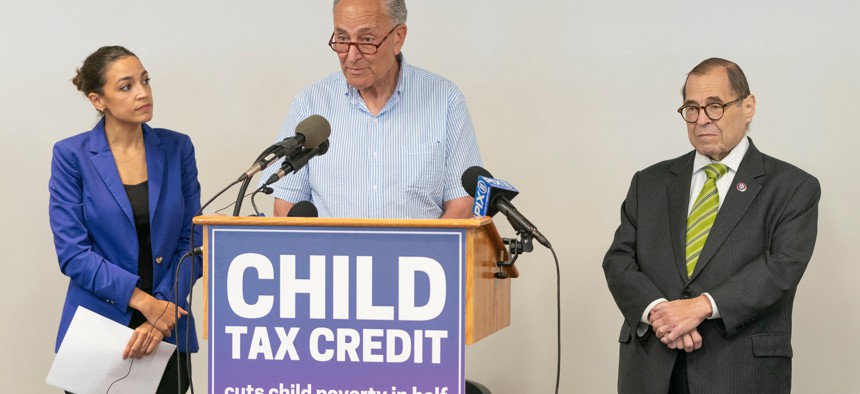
{"x": 703, "y": 117}
{"x": 353, "y": 53}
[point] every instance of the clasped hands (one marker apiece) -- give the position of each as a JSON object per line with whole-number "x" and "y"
{"x": 675, "y": 322}
{"x": 160, "y": 320}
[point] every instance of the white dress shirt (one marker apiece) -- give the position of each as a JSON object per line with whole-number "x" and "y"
{"x": 732, "y": 161}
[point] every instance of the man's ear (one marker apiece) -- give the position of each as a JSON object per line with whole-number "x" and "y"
{"x": 400, "y": 38}
{"x": 749, "y": 108}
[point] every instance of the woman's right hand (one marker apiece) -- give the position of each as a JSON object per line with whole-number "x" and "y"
{"x": 160, "y": 313}
{"x": 143, "y": 341}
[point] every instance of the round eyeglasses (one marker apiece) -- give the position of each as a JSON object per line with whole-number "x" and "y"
{"x": 713, "y": 111}
{"x": 363, "y": 47}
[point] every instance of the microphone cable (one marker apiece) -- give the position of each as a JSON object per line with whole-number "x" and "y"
{"x": 145, "y": 344}
{"x": 266, "y": 190}
{"x": 263, "y": 189}
{"x": 558, "y": 319}
{"x": 126, "y": 375}
{"x": 194, "y": 251}
{"x": 219, "y": 210}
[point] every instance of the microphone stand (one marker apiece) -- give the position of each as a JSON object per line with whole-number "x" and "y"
{"x": 516, "y": 247}
{"x": 241, "y": 196}
{"x": 262, "y": 162}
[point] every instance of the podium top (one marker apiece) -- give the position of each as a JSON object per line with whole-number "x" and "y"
{"x": 340, "y": 222}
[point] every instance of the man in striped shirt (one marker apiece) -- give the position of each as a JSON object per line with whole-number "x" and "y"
{"x": 401, "y": 136}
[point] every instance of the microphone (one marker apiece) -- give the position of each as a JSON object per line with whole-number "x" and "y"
{"x": 309, "y": 133}
{"x": 196, "y": 251}
{"x": 471, "y": 181}
{"x": 303, "y": 209}
{"x": 295, "y": 163}
{"x": 495, "y": 195}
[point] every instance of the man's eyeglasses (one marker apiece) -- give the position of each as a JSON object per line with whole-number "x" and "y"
{"x": 713, "y": 111}
{"x": 364, "y": 48}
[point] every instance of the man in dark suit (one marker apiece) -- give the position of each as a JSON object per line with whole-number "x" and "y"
{"x": 712, "y": 245}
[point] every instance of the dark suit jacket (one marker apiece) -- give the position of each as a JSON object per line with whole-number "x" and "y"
{"x": 94, "y": 231}
{"x": 751, "y": 264}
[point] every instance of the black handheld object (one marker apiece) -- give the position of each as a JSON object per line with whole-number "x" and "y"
{"x": 500, "y": 201}
{"x": 303, "y": 209}
{"x": 297, "y": 161}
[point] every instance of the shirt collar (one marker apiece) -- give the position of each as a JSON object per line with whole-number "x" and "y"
{"x": 732, "y": 161}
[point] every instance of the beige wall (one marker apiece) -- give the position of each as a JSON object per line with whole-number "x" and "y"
{"x": 569, "y": 100}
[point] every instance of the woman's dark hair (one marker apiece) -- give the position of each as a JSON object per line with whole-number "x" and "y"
{"x": 90, "y": 78}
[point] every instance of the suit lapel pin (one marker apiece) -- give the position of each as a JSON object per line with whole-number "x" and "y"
{"x": 742, "y": 187}
{"x": 158, "y": 260}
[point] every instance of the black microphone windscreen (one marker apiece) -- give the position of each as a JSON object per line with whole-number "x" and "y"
{"x": 315, "y": 128}
{"x": 470, "y": 178}
{"x": 303, "y": 209}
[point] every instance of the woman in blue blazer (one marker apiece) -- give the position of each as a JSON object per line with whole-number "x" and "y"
{"x": 122, "y": 198}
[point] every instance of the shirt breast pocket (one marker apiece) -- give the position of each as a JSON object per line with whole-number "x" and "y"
{"x": 423, "y": 167}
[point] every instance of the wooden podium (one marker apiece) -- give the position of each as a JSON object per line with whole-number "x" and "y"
{"x": 485, "y": 300}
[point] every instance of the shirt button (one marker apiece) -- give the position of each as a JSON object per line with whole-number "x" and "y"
{"x": 374, "y": 154}
{"x": 374, "y": 187}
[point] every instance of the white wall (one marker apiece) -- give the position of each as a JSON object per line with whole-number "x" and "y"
{"x": 569, "y": 98}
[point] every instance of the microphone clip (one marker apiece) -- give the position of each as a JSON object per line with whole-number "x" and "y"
{"x": 516, "y": 247}
{"x": 297, "y": 159}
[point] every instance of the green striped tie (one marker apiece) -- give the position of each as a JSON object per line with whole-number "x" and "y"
{"x": 703, "y": 215}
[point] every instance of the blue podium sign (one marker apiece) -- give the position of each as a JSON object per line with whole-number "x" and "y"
{"x": 325, "y": 310}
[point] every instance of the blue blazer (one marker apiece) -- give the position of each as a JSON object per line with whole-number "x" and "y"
{"x": 94, "y": 230}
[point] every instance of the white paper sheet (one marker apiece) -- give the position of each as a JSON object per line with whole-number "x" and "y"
{"x": 90, "y": 359}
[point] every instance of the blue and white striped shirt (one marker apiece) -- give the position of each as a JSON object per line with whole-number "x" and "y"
{"x": 406, "y": 162}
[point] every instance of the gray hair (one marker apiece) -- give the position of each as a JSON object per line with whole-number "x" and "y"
{"x": 396, "y": 10}
{"x": 737, "y": 79}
